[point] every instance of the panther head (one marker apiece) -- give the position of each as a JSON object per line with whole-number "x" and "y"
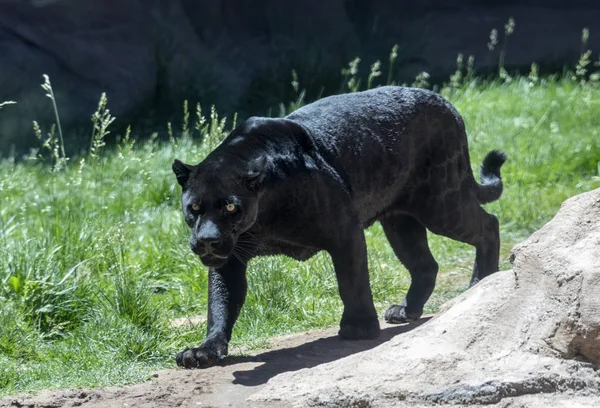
{"x": 220, "y": 198}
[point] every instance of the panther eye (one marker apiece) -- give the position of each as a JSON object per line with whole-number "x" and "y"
{"x": 195, "y": 207}
{"x": 230, "y": 208}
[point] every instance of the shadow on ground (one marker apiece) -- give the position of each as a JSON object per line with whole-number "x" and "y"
{"x": 310, "y": 354}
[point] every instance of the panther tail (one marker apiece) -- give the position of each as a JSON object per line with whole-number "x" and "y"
{"x": 490, "y": 188}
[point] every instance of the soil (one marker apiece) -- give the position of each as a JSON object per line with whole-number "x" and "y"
{"x": 227, "y": 385}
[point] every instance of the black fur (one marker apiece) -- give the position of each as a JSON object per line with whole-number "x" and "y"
{"x": 315, "y": 179}
{"x": 491, "y": 188}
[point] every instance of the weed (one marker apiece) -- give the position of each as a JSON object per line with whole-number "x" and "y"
{"x": 470, "y": 69}
{"x": 456, "y": 80}
{"x": 533, "y": 76}
{"x": 493, "y": 40}
{"x": 131, "y": 299}
{"x": 58, "y": 145}
{"x": 170, "y": 132}
{"x": 200, "y": 124}
{"x": 584, "y": 61}
{"x": 509, "y": 28}
{"x": 101, "y": 120}
{"x": 421, "y": 80}
{"x": 185, "y": 126}
{"x": 6, "y": 103}
{"x": 393, "y": 57}
{"x": 374, "y": 73}
{"x": 350, "y": 76}
{"x": 299, "y": 95}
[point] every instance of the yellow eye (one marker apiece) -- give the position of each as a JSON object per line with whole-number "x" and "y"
{"x": 195, "y": 207}
{"x": 230, "y": 207}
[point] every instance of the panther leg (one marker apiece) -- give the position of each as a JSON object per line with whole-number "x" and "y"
{"x": 226, "y": 294}
{"x": 487, "y": 248}
{"x": 471, "y": 225}
{"x": 408, "y": 239}
{"x": 349, "y": 256}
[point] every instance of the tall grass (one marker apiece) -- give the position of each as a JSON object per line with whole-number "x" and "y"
{"x": 94, "y": 259}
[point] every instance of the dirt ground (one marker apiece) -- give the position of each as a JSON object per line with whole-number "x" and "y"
{"x": 227, "y": 385}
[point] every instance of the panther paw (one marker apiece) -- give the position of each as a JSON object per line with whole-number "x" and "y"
{"x": 359, "y": 329}
{"x": 200, "y": 357}
{"x": 397, "y": 314}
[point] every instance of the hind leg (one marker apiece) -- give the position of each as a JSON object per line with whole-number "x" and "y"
{"x": 487, "y": 248}
{"x": 408, "y": 239}
{"x": 474, "y": 226}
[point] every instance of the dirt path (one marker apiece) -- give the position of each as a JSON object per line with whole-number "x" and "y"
{"x": 227, "y": 385}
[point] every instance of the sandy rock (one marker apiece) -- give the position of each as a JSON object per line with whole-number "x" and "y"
{"x": 529, "y": 337}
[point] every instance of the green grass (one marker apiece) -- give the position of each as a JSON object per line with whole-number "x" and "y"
{"x": 95, "y": 261}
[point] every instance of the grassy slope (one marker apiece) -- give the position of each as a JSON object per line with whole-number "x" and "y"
{"x": 94, "y": 260}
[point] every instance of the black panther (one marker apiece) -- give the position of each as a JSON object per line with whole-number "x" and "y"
{"x": 313, "y": 180}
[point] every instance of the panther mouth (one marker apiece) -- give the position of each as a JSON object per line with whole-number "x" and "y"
{"x": 214, "y": 260}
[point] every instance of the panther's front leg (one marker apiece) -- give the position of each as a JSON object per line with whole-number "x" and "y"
{"x": 226, "y": 294}
{"x": 349, "y": 256}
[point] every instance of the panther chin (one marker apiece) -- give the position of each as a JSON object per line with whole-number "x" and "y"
{"x": 214, "y": 261}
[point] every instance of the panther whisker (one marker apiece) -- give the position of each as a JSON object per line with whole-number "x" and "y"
{"x": 242, "y": 251}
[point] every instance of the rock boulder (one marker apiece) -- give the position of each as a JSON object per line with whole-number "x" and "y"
{"x": 527, "y": 337}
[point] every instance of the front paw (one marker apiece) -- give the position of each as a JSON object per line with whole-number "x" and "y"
{"x": 397, "y": 314}
{"x": 207, "y": 355}
{"x": 359, "y": 329}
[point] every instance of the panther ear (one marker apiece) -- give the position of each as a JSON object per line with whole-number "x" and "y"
{"x": 257, "y": 169}
{"x": 182, "y": 172}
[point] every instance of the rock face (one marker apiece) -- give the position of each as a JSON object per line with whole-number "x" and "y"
{"x": 529, "y": 337}
{"x": 150, "y": 55}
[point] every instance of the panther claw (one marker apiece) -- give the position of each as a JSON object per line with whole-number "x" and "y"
{"x": 200, "y": 357}
{"x": 397, "y": 314}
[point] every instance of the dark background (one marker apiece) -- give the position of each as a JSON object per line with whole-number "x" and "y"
{"x": 150, "y": 55}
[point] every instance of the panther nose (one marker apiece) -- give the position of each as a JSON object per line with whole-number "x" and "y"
{"x": 209, "y": 242}
{"x": 208, "y": 237}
